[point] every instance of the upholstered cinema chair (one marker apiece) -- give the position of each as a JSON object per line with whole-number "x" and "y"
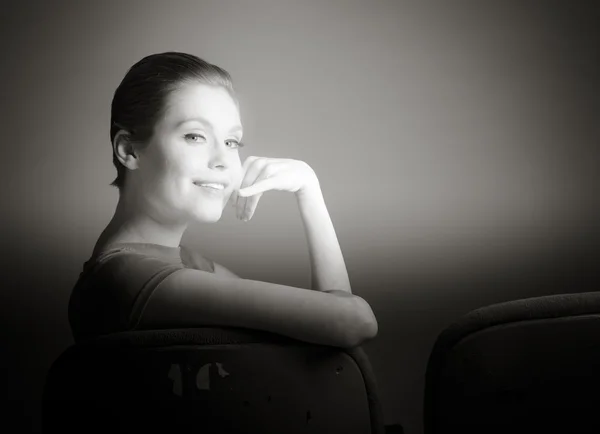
{"x": 210, "y": 380}
{"x": 524, "y": 366}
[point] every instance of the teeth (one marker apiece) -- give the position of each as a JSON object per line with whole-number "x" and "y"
{"x": 216, "y": 186}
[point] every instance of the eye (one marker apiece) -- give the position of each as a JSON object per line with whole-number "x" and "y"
{"x": 194, "y": 137}
{"x": 236, "y": 144}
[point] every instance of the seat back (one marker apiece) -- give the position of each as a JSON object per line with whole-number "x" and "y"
{"x": 222, "y": 380}
{"x": 530, "y": 365}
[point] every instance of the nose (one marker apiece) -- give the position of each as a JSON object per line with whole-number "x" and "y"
{"x": 219, "y": 158}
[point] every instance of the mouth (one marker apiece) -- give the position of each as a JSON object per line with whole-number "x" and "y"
{"x": 212, "y": 186}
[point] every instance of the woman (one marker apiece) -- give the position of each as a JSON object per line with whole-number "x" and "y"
{"x": 176, "y": 134}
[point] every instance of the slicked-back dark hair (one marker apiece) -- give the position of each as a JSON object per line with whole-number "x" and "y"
{"x": 140, "y": 100}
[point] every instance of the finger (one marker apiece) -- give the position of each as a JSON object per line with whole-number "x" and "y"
{"x": 252, "y": 171}
{"x": 251, "y": 204}
{"x": 259, "y": 187}
{"x": 253, "y": 194}
{"x": 265, "y": 181}
{"x": 233, "y": 198}
{"x": 269, "y": 170}
{"x": 237, "y": 202}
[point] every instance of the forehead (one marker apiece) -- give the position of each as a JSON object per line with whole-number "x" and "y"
{"x": 213, "y": 103}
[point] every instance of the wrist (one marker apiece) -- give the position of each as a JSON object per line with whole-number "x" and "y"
{"x": 310, "y": 191}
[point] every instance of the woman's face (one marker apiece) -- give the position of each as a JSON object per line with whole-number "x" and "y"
{"x": 195, "y": 144}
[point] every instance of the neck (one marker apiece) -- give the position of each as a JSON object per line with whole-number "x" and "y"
{"x": 133, "y": 222}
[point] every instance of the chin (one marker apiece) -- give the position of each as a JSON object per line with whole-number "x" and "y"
{"x": 207, "y": 215}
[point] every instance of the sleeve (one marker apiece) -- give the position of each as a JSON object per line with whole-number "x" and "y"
{"x": 193, "y": 259}
{"x": 153, "y": 272}
{"x": 118, "y": 290}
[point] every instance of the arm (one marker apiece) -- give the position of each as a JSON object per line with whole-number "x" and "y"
{"x": 195, "y": 298}
{"x": 359, "y": 334}
{"x": 372, "y": 326}
{"x": 222, "y": 271}
{"x": 328, "y": 269}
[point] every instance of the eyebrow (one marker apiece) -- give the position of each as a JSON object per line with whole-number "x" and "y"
{"x": 206, "y": 122}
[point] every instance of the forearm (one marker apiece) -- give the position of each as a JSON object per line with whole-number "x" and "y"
{"x": 328, "y": 269}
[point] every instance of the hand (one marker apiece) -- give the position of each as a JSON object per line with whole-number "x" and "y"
{"x": 261, "y": 174}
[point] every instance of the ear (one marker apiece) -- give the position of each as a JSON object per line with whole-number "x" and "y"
{"x": 125, "y": 151}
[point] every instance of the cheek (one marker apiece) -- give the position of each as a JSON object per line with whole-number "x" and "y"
{"x": 180, "y": 168}
{"x": 159, "y": 169}
{"x": 172, "y": 178}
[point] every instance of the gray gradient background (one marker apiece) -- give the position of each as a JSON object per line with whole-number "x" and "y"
{"x": 456, "y": 143}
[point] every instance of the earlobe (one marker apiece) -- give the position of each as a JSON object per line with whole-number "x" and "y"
{"x": 124, "y": 150}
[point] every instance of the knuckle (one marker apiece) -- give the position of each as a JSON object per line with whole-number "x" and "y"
{"x": 306, "y": 165}
{"x": 248, "y": 161}
{"x": 269, "y": 170}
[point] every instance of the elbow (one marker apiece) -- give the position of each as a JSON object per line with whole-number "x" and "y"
{"x": 364, "y": 325}
{"x": 373, "y": 329}
{"x": 366, "y": 334}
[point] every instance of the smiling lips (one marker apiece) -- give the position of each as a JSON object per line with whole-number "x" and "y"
{"x": 213, "y": 187}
